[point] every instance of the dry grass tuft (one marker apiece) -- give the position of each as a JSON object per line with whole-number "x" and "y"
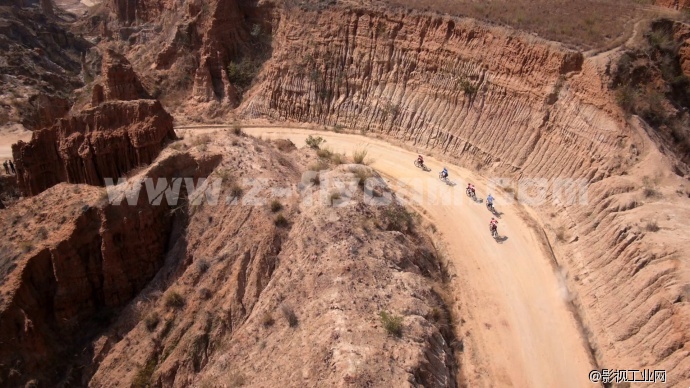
{"x": 151, "y": 321}
{"x": 652, "y": 226}
{"x": 276, "y": 206}
{"x": 359, "y": 156}
{"x": 267, "y": 319}
{"x": 281, "y": 221}
{"x": 289, "y": 315}
{"x": 560, "y": 234}
{"x": 174, "y": 299}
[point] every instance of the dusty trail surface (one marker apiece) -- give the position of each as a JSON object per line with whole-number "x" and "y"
{"x": 518, "y": 329}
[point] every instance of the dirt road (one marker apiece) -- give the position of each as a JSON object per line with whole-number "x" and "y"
{"x": 518, "y": 330}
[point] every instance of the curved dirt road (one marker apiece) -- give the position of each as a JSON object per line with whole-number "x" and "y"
{"x": 518, "y": 330}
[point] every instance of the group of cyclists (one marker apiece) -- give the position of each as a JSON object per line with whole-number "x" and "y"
{"x": 493, "y": 224}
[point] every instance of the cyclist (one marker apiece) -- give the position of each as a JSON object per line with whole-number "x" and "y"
{"x": 493, "y": 225}
{"x": 470, "y": 189}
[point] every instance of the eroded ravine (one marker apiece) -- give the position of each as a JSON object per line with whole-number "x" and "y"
{"x": 517, "y": 328}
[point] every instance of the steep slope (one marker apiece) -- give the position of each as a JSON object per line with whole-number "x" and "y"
{"x": 69, "y": 262}
{"x": 653, "y": 81}
{"x": 40, "y": 65}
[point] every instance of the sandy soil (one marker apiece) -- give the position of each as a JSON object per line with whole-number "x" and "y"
{"x": 518, "y": 328}
{"x": 10, "y": 135}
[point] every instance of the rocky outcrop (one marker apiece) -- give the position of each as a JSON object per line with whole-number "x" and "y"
{"x": 120, "y": 82}
{"x": 208, "y": 50}
{"x": 681, "y": 34}
{"x": 122, "y": 131}
{"x": 98, "y": 143}
{"x": 48, "y": 109}
{"x": 137, "y": 11}
{"x": 65, "y": 271}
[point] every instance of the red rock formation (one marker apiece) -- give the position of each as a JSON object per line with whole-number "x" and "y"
{"x": 133, "y": 11}
{"x": 200, "y": 40}
{"x": 46, "y": 109}
{"x": 119, "y": 80}
{"x": 681, "y": 33}
{"x": 108, "y": 140}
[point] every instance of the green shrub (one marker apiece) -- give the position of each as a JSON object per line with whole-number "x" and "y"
{"x": 625, "y": 97}
{"x": 236, "y": 191}
{"x": 237, "y": 129}
{"x": 652, "y": 226}
{"x": 650, "y": 192}
{"x": 242, "y": 73}
{"x": 399, "y": 218}
{"x": 392, "y": 323}
{"x": 324, "y": 153}
{"x": 315, "y": 142}
{"x": 560, "y": 234}
{"x": 467, "y": 87}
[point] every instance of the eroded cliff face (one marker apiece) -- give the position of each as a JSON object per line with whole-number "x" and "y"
{"x": 69, "y": 267}
{"x": 510, "y": 105}
{"x": 120, "y": 131}
{"x": 138, "y": 11}
{"x": 448, "y": 85}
